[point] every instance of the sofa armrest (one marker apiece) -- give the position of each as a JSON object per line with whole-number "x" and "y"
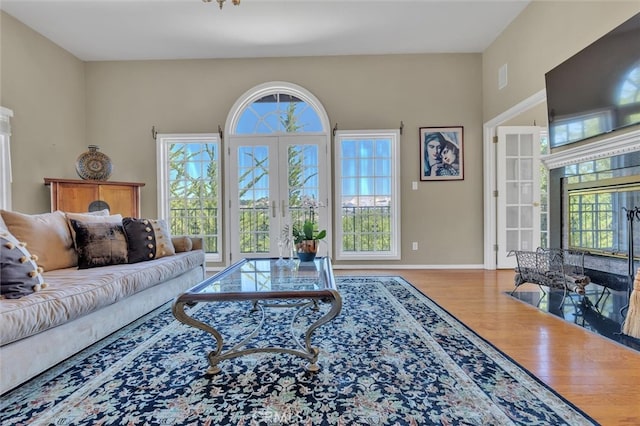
{"x": 183, "y": 243}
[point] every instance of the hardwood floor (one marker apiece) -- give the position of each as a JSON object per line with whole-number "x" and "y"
{"x": 598, "y": 375}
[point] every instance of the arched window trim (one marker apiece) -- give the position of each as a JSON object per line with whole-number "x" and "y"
{"x": 271, "y": 88}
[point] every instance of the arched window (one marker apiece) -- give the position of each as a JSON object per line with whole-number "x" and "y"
{"x": 629, "y": 96}
{"x": 277, "y": 157}
{"x": 630, "y": 88}
{"x": 277, "y": 107}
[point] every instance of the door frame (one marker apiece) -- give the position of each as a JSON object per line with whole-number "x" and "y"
{"x": 490, "y": 175}
{"x": 278, "y": 145}
{"x": 503, "y": 260}
{"x": 246, "y": 99}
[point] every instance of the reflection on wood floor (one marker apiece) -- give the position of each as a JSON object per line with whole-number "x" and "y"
{"x": 600, "y": 310}
{"x": 599, "y": 375}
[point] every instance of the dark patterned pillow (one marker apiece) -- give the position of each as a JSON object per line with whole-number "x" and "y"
{"x": 147, "y": 239}
{"x": 19, "y": 273}
{"x": 99, "y": 244}
{"x": 141, "y": 240}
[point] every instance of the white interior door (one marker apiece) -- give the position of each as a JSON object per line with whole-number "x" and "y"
{"x": 271, "y": 179}
{"x": 518, "y": 186}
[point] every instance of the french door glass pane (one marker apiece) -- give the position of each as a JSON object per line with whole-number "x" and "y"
{"x": 304, "y": 185}
{"x": 253, "y": 195}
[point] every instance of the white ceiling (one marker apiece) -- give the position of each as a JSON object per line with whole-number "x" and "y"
{"x": 96, "y": 30}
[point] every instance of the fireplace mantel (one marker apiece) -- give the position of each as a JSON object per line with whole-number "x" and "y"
{"x": 608, "y": 147}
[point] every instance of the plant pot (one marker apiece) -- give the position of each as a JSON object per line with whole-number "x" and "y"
{"x": 307, "y": 250}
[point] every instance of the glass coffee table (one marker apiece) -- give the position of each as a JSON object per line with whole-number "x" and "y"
{"x": 267, "y": 283}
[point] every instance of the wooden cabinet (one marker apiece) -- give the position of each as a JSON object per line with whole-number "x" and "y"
{"x": 72, "y": 195}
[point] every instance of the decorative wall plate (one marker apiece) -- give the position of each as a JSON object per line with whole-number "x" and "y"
{"x": 93, "y": 165}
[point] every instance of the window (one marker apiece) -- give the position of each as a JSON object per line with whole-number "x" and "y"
{"x": 590, "y": 171}
{"x": 598, "y": 192}
{"x": 5, "y": 158}
{"x": 367, "y": 195}
{"x": 598, "y": 219}
{"x": 574, "y": 129}
{"x": 189, "y": 187}
{"x": 629, "y": 97}
{"x": 276, "y": 162}
{"x": 278, "y": 113}
{"x": 544, "y": 192}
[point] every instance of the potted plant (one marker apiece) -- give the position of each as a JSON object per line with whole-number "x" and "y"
{"x": 307, "y": 236}
{"x": 306, "y": 239}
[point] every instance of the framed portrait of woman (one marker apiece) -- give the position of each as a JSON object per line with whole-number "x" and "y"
{"x": 441, "y": 153}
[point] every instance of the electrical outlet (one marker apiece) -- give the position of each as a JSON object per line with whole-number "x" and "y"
{"x": 414, "y": 245}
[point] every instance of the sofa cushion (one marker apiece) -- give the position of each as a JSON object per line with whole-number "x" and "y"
{"x": 47, "y": 235}
{"x": 19, "y": 273}
{"x": 72, "y": 293}
{"x": 99, "y": 243}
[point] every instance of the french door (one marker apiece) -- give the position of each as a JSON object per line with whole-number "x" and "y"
{"x": 518, "y": 186}
{"x": 273, "y": 180}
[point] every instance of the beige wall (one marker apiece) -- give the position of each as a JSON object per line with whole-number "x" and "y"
{"x": 44, "y": 86}
{"x": 122, "y": 100}
{"x": 126, "y": 98}
{"x": 541, "y": 37}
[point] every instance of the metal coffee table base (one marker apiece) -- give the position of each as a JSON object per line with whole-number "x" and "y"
{"x": 306, "y": 351}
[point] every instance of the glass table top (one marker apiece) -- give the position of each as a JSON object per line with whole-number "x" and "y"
{"x": 260, "y": 278}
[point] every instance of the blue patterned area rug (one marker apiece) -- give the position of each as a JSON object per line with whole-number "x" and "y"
{"x": 392, "y": 357}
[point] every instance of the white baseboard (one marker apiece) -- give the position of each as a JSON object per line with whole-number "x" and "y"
{"x": 213, "y": 270}
{"x": 477, "y": 266}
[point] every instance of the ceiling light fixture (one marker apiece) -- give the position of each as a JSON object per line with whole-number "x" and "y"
{"x": 221, "y": 2}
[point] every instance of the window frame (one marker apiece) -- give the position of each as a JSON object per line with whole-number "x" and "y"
{"x": 605, "y": 124}
{"x": 394, "y": 253}
{"x": 5, "y": 158}
{"x": 596, "y": 212}
{"x": 232, "y": 135}
{"x": 163, "y": 142}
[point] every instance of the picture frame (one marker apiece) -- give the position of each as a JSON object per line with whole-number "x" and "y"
{"x": 436, "y": 141}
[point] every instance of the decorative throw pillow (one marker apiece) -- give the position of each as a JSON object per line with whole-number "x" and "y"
{"x": 3, "y": 226}
{"x": 141, "y": 239}
{"x": 80, "y": 216}
{"x": 47, "y": 236}
{"x": 147, "y": 239}
{"x": 19, "y": 273}
{"x": 182, "y": 244}
{"x": 99, "y": 243}
{"x": 97, "y": 216}
{"x": 163, "y": 238}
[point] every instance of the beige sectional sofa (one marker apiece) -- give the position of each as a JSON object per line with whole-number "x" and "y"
{"x": 73, "y": 308}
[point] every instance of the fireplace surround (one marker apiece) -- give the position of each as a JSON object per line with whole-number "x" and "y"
{"x": 602, "y": 166}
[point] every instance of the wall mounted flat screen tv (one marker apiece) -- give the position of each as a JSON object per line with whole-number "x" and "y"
{"x": 597, "y": 90}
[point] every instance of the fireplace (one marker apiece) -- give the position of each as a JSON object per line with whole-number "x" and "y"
{"x": 592, "y": 188}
